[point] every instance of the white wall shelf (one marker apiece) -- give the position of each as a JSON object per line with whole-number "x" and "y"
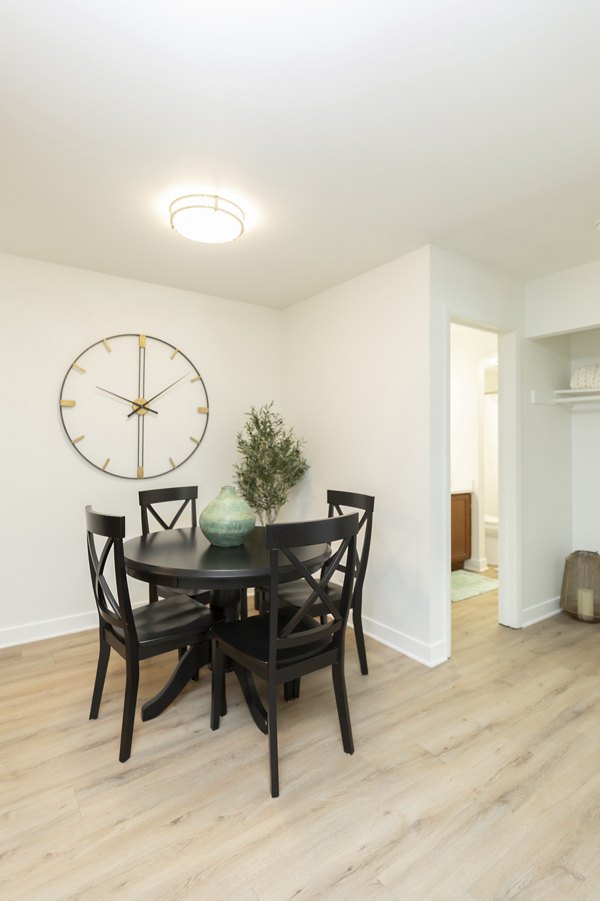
{"x": 570, "y": 397}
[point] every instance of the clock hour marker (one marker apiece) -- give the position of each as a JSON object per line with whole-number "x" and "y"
{"x": 140, "y": 472}
{"x": 106, "y": 462}
{"x": 107, "y": 346}
{"x": 173, "y": 463}
{"x": 142, "y": 340}
{"x": 195, "y": 440}
{"x": 202, "y": 409}
{"x": 196, "y": 378}
{"x": 67, "y": 403}
{"x": 174, "y": 354}
{"x": 77, "y": 440}
{"x": 78, "y": 367}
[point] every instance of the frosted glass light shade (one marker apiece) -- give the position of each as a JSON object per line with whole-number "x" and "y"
{"x": 206, "y": 218}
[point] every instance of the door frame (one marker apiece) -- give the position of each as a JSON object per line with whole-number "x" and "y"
{"x": 509, "y": 532}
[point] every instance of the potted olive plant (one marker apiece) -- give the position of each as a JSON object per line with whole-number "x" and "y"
{"x": 272, "y": 462}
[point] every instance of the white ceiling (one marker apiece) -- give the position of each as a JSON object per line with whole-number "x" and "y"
{"x": 350, "y": 131}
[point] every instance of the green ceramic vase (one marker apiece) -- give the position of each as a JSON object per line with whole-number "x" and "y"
{"x": 227, "y": 519}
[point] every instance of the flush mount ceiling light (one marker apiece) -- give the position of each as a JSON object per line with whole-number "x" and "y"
{"x": 206, "y": 218}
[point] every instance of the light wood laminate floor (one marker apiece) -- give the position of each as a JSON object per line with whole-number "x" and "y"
{"x": 476, "y": 780}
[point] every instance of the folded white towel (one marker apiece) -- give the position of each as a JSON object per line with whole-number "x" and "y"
{"x": 586, "y": 377}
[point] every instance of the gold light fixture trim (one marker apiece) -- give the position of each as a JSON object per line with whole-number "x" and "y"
{"x": 206, "y": 218}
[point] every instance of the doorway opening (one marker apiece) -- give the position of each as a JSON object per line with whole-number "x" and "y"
{"x": 474, "y": 462}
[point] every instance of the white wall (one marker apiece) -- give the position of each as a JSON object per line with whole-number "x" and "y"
{"x": 567, "y": 301}
{"x": 48, "y": 314}
{"x": 356, "y": 385}
{"x": 546, "y": 471}
{"x": 360, "y": 371}
{"x": 367, "y": 368}
{"x": 585, "y": 442}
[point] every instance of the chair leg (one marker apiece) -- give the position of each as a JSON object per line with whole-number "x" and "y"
{"x": 260, "y": 600}
{"x": 272, "y": 726}
{"x": 360, "y": 640}
{"x": 291, "y": 690}
{"x": 103, "y": 655}
{"x": 218, "y": 703}
{"x": 341, "y": 700}
{"x": 132, "y": 666}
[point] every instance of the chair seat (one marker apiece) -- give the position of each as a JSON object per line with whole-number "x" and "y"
{"x": 251, "y": 637}
{"x": 171, "y": 616}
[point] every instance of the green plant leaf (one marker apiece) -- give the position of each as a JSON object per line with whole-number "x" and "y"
{"x": 272, "y": 461}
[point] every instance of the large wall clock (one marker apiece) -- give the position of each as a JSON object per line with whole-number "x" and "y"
{"x": 134, "y": 406}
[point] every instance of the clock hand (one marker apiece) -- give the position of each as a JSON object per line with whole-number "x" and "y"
{"x": 140, "y": 447}
{"x": 150, "y": 399}
{"x": 142, "y": 366}
{"x": 129, "y": 401}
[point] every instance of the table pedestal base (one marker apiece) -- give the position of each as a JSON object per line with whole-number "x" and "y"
{"x": 189, "y": 664}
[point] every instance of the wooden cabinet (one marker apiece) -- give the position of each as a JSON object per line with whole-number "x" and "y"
{"x": 460, "y": 519}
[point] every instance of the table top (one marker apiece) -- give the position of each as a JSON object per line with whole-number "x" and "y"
{"x": 184, "y": 558}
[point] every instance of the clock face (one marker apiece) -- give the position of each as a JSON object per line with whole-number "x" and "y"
{"x": 134, "y": 406}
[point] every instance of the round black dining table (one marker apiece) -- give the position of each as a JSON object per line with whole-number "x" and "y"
{"x": 184, "y": 559}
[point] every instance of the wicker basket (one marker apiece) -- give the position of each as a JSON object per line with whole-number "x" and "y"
{"x": 580, "y": 593}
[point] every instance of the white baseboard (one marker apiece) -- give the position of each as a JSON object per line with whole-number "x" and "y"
{"x": 49, "y": 628}
{"x": 539, "y": 612}
{"x": 53, "y": 628}
{"x": 430, "y": 655}
{"x": 477, "y": 565}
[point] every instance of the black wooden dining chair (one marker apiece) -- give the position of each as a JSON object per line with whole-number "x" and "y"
{"x": 339, "y": 503}
{"x": 185, "y": 498}
{"x": 286, "y": 643}
{"x": 177, "y": 501}
{"x": 176, "y": 622}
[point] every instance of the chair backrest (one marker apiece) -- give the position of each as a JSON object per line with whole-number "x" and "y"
{"x": 148, "y": 499}
{"x": 282, "y": 540}
{"x": 338, "y": 500}
{"x": 113, "y": 609}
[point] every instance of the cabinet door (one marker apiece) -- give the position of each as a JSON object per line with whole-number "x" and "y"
{"x": 460, "y": 507}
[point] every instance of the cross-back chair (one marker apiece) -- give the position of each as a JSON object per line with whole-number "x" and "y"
{"x": 149, "y": 501}
{"x": 187, "y": 496}
{"x": 287, "y": 643}
{"x": 176, "y": 622}
{"x": 339, "y": 503}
